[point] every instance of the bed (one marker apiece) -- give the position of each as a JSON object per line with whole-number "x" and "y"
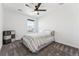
{"x": 36, "y": 41}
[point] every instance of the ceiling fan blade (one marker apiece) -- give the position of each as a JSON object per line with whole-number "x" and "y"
{"x": 27, "y": 5}
{"x": 41, "y": 10}
{"x": 37, "y": 6}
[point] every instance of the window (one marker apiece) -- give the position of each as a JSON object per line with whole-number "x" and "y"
{"x": 30, "y": 25}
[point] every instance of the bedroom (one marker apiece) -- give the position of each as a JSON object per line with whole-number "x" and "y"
{"x": 59, "y": 19}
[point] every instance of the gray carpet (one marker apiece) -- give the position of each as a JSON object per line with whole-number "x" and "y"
{"x": 54, "y": 49}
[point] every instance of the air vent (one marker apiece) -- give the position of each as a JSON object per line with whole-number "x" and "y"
{"x": 61, "y": 3}
{"x": 19, "y": 9}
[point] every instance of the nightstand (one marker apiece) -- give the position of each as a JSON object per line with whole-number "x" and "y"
{"x": 8, "y": 36}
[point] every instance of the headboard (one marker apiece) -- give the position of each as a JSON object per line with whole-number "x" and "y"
{"x": 53, "y": 33}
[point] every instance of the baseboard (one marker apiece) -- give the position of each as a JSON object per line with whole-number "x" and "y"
{"x": 67, "y": 44}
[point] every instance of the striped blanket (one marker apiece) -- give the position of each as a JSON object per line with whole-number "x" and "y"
{"x": 37, "y": 41}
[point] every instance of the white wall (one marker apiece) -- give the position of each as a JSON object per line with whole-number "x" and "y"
{"x": 15, "y": 21}
{"x": 65, "y": 22}
{"x": 1, "y": 25}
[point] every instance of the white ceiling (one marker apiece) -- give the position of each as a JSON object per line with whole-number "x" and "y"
{"x": 30, "y": 10}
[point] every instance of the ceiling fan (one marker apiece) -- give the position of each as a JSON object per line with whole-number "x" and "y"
{"x": 36, "y": 7}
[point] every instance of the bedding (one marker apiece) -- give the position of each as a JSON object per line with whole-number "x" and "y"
{"x": 36, "y": 41}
